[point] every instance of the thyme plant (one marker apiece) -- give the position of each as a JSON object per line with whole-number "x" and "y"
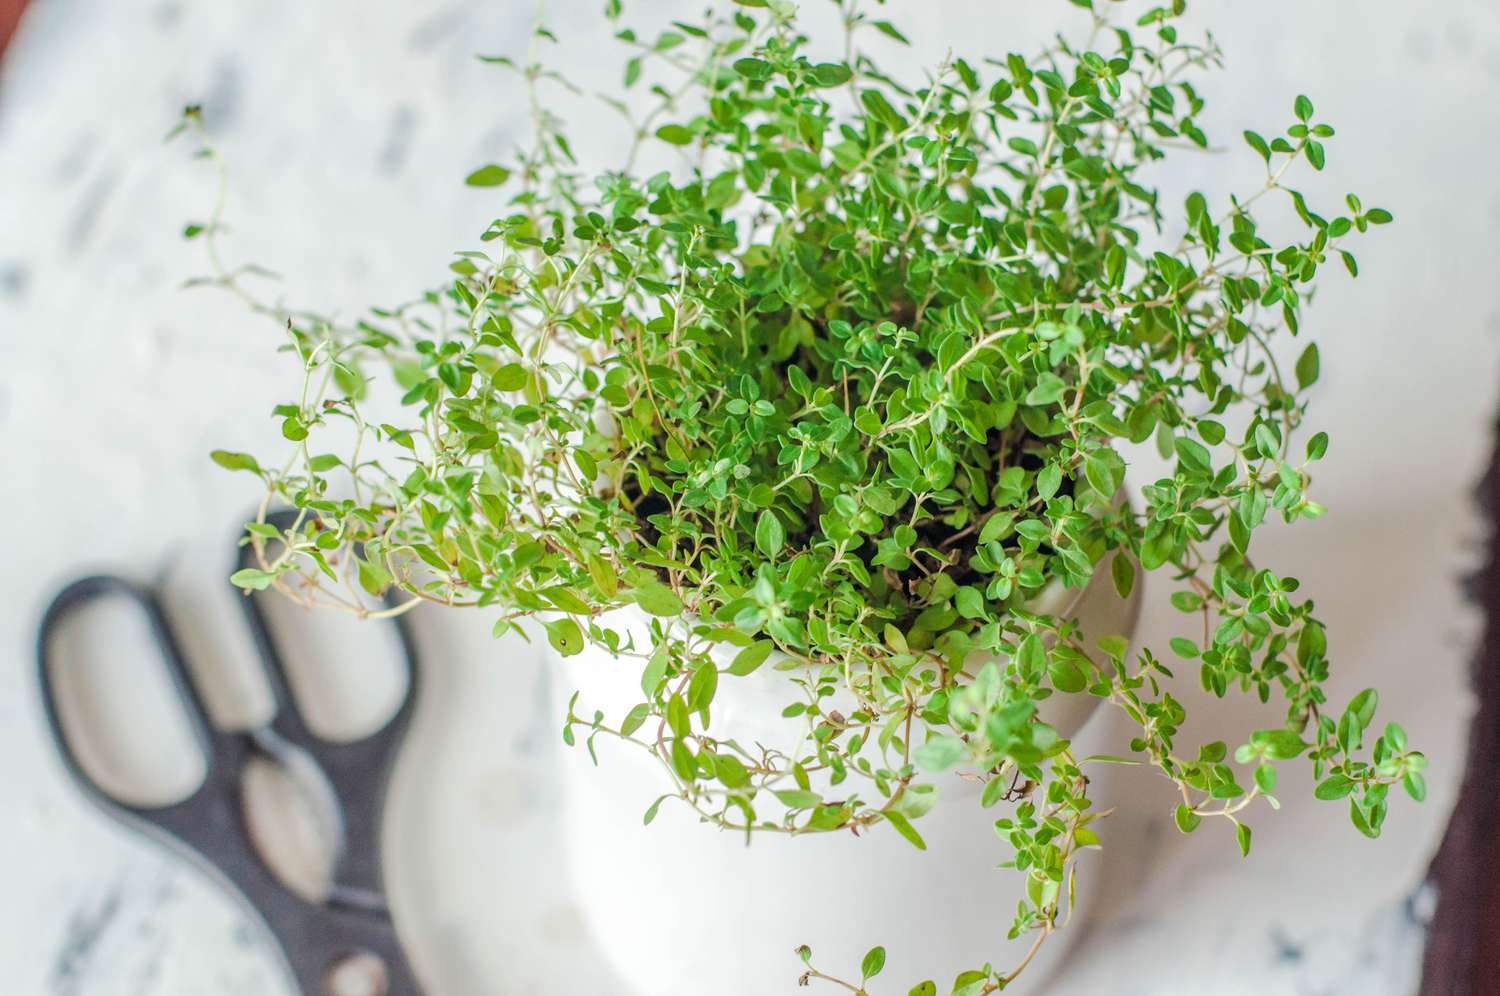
{"x": 850, "y": 385}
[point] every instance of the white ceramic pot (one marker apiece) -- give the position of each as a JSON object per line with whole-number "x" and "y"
{"x": 680, "y": 907}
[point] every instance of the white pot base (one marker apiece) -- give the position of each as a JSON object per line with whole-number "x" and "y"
{"x": 681, "y": 908}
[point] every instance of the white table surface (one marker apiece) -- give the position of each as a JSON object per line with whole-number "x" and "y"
{"x": 348, "y": 127}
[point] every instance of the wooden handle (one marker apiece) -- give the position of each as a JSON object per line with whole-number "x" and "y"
{"x": 10, "y": 16}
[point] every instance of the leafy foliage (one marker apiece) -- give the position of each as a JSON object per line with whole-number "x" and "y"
{"x": 854, "y": 384}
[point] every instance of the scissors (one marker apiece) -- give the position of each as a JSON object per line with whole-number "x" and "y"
{"x": 316, "y": 937}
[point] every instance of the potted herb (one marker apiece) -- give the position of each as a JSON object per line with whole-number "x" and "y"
{"x": 807, "y": 455}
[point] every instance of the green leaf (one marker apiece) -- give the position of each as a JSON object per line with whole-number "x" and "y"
{"x": 603, "y": 576}
{"x": 667, "y": 41}
{"x": 969, "y": 602}
{"x": 1048, "y": 480}
{"x": 1157, "y": 550}
{"x": 678, "y": 719}
{"x": 1187, "y": 821}
{"x": 655, "y": 671}
{"x": 1307, "y": 367}
{"x": 374, "y": 578}
{"x": 657, "y": 599}
{"x": 488, "y": 176}
{"x": 729, "y": 770}
{"x": 1334, "y": 787}
{"x": 565, "y": 636}
{"x": 1122, "y": 572}
{"x": 1049, "y": 387}
{"x": 1415, "y": 785}
{"x": 1113, "y": 645}
{"x": 264, "y": 530}
{"x": 754, "y": 69}
{"x": 510, "y": 377}
{"x": 1193, "y": 455}
{"x": 1362, "y": 707}
{"x": 752, "y": 657}
{"x": 1105, "y": 471}
{"x": 701, "y": 689}
{"x": 1316, "y": 155}
{"x": 903, "y": 826}
{"x": 566, "y": 600}
{"x": 1266, "y": 441}
{"x": 683, "y": 761}
{"x": 926, "y": 988}
{"x": 798, "y": 798}
{"x": 1303, "y": 108}
{"x": 1186, "y": 601}
{"x": 939, "y": 753}
{"x": 1066, "y": 675}
{"x": 1031, "y": 655}
{"x": 230, "y": 460}
{"x": 1279, "y": 745}
{"x": 873, "y": 962}
{"x": 1109, "y": 759}
{"x": 634, "y": 719}
{"x": 769, "y": 534}
{"x": 1258, "y": 144}
{"x": 1085, "y": 837}
{"x": 831, "y": 74}
{"x": 1239, "y": 533}
{"x": 252, "y": 579}
{"x": 1242, "y": 835}
{"x": 674, "y": 134}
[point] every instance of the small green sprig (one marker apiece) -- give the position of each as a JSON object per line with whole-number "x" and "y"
{"x": 854, "y": 382}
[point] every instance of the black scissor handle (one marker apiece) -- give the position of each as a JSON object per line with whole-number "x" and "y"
{"x": 220, "y": 751}
{"x": 209, "y": 827}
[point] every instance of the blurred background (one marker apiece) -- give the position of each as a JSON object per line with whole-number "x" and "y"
{"x": 348, "y": 128}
